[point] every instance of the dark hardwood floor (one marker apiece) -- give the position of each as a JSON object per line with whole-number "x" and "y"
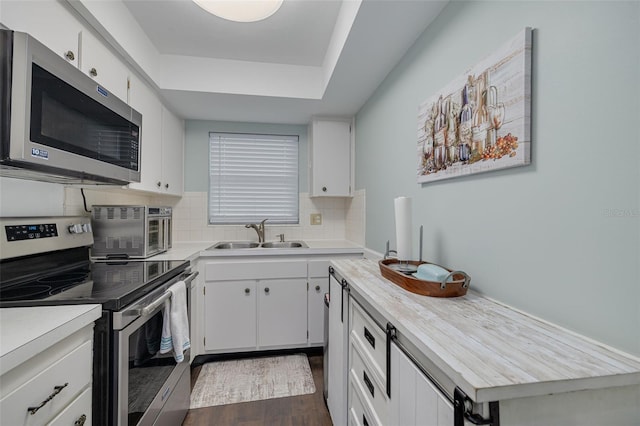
{"x": 303, "y": 410}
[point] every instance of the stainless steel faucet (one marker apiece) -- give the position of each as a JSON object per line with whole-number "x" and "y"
{"x": 259, "y": 229}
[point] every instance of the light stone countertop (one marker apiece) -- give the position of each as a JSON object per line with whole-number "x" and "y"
{"x": 25, "y": 332}
{"x": 194, "y": 250}
{"x": 491, "y": 351}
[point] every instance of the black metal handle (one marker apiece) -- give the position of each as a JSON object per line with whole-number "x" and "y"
{"x": 368, "y": 383}
{"x": 317, "y": 288}
{"x": 391, "y": 334}
{"x": 81, "y": 420}
{"x": 370, "y": 338}
{"x": 56, "y": 390}
{"x": 344, "y": 284}
{"x": 266, "y": 290}
{"x": 462, "y": 409}
{"x": 364, "y": 420}
{"x": 247, "y": 290}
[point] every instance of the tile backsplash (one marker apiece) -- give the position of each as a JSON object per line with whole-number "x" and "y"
{"x": 190, "y": 221}
{"x": 342, "y": 218}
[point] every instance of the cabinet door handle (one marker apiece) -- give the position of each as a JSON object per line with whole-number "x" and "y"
{"x": 70, "y": 55}
{"x": 166, "y": 185}
{"x": 368, "y": 383}
{"x": 324, "y": 189}
{"x": 317, "y": 288}
{"x": 81, "y": 420}
{"x": 56, "y": 390}
{"x": 159, "y": 184}
{"x": 247, "y": 290}
{"x": 266, "y": 290}
{"x": 370, "y": 338}
{"x": 364, "y": 421}
{"x": 93, "y": 72}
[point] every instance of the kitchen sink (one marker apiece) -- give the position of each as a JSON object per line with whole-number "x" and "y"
{"x": 284, "y": 244}
{"x": 233, "y": 245}
{"x": 239, "y": 245}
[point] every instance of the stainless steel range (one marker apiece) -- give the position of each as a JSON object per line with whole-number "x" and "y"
{"x": 45, "y": 261}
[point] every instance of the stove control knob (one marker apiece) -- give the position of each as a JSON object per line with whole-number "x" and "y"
{"x": 76, "y": 229}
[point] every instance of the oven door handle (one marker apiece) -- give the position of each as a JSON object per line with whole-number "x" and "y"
{"x": 166, "y": 295}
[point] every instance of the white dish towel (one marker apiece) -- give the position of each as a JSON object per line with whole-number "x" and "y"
{"x": 175, "y": 324}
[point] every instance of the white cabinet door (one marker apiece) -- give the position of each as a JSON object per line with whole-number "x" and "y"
{"x": 337, "y": 352}
{"x": 414, "y": 400}
{"x": 315, "y": 305}
{"x": 282, "y": 312}
{"x": 144, "y": 100}
{"x": 49, "y": 22}
{"x": 99, "y": 63}
{"x": 172, "y": 153}
{"x": 230, "y": 315}
{"x": 330, "y": 158}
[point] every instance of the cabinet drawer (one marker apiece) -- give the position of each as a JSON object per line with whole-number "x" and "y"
{"x": 255, "y": 270}
{"x": 358, "y": 415}
{"x": 73, "y": 369}
{"x": 76, "y": 412}
{"x": 372, "y": 339}
{"x": 372, "y": 392}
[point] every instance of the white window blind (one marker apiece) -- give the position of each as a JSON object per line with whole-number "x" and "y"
{"x": 253, "y": 177}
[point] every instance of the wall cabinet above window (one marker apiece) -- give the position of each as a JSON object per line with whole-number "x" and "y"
{"x": 331, "y": 155}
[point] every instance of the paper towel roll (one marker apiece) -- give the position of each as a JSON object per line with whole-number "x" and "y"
{"x": 404, "y": 240}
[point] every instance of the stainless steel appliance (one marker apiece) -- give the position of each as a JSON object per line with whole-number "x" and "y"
{"x": 130, "y": 232}
{"x": 57, "y": 123}
{"x": 45, "y": 261}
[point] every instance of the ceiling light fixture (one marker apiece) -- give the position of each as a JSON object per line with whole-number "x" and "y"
{"x": 241, "y": 10}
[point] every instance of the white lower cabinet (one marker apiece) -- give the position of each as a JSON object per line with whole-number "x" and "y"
{"x": 318, "y": 287}
{"x": 338, "y": 352}
{"x": 53, "y": 387}
{"x": 414, "y": 400}
{"x": 282, "y": 312}
{"x": 255, "y": 305}
{"x": 230, "y": 315}
{"x": 368, "y": 399}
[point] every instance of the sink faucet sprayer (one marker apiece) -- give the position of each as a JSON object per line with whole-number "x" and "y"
{"x": 259, "y": 229}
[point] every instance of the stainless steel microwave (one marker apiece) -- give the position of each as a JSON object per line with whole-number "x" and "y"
{"x": 58, "y": 124}
{"x": 130, "y": 232}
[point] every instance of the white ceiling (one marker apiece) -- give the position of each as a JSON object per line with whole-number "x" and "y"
{"x": 312, "y": 57}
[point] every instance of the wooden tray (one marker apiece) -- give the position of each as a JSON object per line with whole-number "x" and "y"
{"x": 448, "y": 288}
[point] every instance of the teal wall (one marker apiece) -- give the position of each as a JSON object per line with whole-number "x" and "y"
{"x": 559, "y": 238}
{"x": 196, "y": 177}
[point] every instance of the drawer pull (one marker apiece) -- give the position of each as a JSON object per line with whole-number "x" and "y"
{"x": 364, "y": 421}
{"x": 56, "y": 390}
{"x": 368, "y": 383}
{"x": 81, "y": 420}
{"x": 370, "y": 338}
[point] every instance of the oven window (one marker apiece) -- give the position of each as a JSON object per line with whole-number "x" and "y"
{"x": 148, "y": 369}
{"x": 62, "y": 117}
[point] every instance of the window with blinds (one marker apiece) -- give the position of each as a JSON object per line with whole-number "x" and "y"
{"x": 252, "y": 178}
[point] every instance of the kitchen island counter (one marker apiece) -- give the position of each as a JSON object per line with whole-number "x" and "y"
{"x": 489, "y": 350}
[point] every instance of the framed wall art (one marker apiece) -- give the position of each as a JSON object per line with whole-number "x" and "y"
{"x": 481, "y": 120}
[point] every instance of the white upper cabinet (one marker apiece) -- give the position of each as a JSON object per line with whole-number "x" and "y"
{"x": 143, "y": 100}
{"x": 172, "y": 154}
{"x": 99, "y": 63}
{"x": 330, "y": 158}
{"x": 51, "y": 24}
{"x": 162, "y": 143}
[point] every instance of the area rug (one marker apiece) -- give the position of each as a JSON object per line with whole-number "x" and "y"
{"x": 252, "y": 379}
